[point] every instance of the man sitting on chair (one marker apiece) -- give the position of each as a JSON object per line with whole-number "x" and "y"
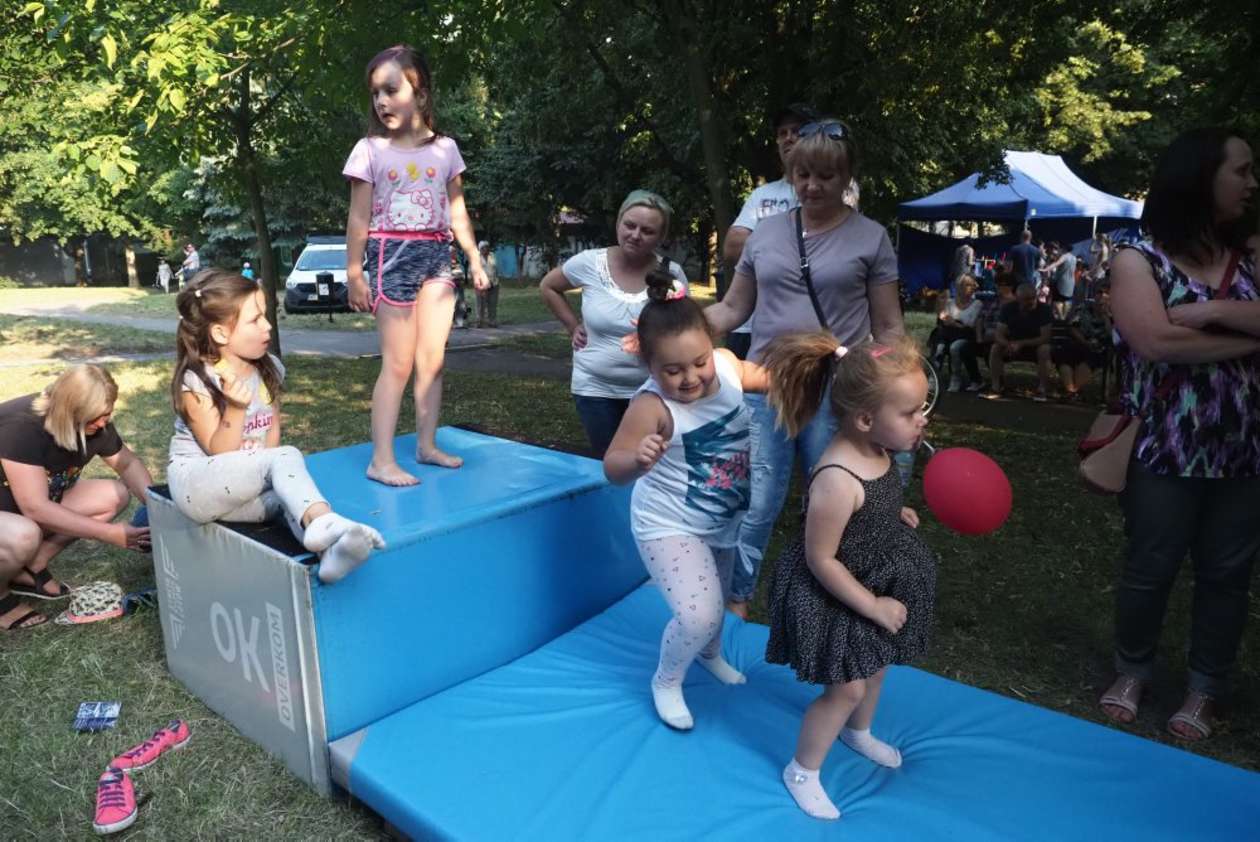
{"x": 1023, "y": 335}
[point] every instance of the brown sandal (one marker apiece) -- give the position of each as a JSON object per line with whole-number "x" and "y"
{"x": 29, "y": 620}
{"x": 1195, "y": 715}
{"x": 1125, "y": 693}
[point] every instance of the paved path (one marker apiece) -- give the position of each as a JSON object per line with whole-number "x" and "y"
{"x": 477, "y": 347}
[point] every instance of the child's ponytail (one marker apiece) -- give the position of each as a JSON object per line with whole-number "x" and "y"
{"x": 800, "y": 366}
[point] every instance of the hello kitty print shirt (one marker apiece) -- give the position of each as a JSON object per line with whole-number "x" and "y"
{"x": 408, "y": 185}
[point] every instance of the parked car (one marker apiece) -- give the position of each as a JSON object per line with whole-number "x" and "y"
{"x": 321, "y": 254}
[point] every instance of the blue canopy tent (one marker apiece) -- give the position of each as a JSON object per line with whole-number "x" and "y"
{"x": 1042, "y": 193}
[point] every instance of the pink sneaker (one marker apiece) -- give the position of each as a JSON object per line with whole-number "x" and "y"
{"x": 174, "y": 735}
{"x": 115, "y": 802}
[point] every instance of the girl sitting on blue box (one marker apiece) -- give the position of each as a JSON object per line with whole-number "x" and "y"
{"x": 684, "y": 443}
{"x": 226, "y": 460}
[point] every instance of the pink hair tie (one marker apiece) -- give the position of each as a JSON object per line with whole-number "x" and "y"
{"x": 879, "y": 351}
{"x": 675, "y": 294}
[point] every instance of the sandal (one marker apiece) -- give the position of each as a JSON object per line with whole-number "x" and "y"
{"x": 1195, "y": 715}
{"x": 1125, "y": 693}
{"x": 29, "y": 620}
{"x": 36, "y": 590}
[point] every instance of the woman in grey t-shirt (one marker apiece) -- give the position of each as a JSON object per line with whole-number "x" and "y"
{"x": 614, "y": 290}
{"x": 854, "y": 272}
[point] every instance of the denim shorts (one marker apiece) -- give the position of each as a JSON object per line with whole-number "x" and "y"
{"x": 400, "y": 263}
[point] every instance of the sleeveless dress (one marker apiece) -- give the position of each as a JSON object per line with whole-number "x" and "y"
{"x": 821, "y": 638}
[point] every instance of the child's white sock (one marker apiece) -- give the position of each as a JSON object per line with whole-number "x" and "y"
{"x": 807, "y": 791}
{"x": 348, "y": 552}
{"x": 866, "y": 745}
{"x": 721, "y": 670}
{"x": 671, "y": 707}
{"x": 322, "y": 532}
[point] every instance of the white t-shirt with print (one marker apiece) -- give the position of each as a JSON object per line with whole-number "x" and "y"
{"x": 770, "y": 199}
{"x": 602, "y": 369}
{"x": 260, "y": 415}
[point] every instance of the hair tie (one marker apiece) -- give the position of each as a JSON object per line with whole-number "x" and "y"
{"x": 879, "y": 351}
{"x": 675, "y": 294}
{"x": 840, "y": 351}
{"x": 197, "y": 292}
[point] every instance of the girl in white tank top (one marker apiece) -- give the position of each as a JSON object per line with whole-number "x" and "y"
{"x": 684, "y": 444}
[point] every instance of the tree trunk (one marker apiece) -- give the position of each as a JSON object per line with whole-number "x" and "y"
{"x": 252, "y": 183}
{"x": 681, "y": 23}
{"x": 129, "y": 253}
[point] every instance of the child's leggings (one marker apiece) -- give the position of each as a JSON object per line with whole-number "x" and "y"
{"x": 695, "y": 580}
{"x": 248, "y": 486}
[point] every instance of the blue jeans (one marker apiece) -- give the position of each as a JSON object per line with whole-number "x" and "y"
{"x": 773, "y": 457}
{"x": 600, "y": 419}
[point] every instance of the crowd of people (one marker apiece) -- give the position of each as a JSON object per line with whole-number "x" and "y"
{"x": 1041, "y": 307}
{"x": 710, "y": 440}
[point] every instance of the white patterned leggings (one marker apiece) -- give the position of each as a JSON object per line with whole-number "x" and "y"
{"x": 695, "y": 580}
{"x": 249, "y": 486}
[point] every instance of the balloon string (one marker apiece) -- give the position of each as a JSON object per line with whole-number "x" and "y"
{"x": 926, "y": 445}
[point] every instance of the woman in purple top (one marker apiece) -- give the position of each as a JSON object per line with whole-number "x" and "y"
{"x": 1187, "y": 311}
{"x": 853, "y": 270}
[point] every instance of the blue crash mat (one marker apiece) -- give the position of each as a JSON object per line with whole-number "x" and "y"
{"x": 563, "y": 744}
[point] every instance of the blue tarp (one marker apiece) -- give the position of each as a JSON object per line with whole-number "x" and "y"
{"x": 563, "y": 744}
{"x": 1040, "y": 187}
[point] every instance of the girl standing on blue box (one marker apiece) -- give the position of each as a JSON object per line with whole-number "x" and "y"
{"x": 684, "y": 443}
{"x": 226, "y": 461}
{"x": 855, "y": 592}
{"x": 406, "y": 200}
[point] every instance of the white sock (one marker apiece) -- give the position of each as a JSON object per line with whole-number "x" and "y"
{"x": 322, "y": 532}
{"x": 721, "y": 670}
{"x": 349, "y": 551}
{"x": 671, "y": 707}
{"x": 872, "y": 749}
{"x": 807, "y": 791}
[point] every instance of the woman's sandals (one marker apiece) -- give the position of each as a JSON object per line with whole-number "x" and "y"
{"x": 38, "y": 590}
{"x": 1194, "y": 718}
{"x": 28, "y": 620}
{"x": 1123, "y": 695}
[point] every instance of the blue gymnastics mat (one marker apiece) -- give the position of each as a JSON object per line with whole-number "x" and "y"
{"x": 563, "y": 744}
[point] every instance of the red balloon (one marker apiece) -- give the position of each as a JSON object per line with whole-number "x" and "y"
{"x": 967, "y": 491}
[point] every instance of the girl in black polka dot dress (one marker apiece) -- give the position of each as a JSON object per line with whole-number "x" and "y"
{"x": 855, "y": 591}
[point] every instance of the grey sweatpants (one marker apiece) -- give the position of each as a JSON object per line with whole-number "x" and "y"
{"x": 248, "y": 486}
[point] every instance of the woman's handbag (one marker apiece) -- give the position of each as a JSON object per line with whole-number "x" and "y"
{"x": 1105, "y": 451}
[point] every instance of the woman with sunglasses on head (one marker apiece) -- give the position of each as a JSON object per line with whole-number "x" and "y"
{"x": 46, "y": 440}
{"x": 1186, "y": 305}
{"x": 852, "y": 270}
{"x": 613, "y": 283}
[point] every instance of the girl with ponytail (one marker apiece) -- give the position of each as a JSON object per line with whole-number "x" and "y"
{"x": 226, "y": 461}
{"x": 855, "y": 592}
{"x": 683, "y": 442}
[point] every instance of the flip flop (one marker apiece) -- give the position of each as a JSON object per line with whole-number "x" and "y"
{"x": 36, "y": 591}
{"x": 1125, "y": 693}
{"x": 24, "y": 621}
{"x": 1193, "y": 718}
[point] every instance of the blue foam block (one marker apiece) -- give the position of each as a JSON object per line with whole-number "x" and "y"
{"x": 563, "y": 744}
{"x": 484, "y": 564}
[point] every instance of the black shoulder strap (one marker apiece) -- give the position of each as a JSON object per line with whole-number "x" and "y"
{"x": 822, "y": 468}
{"x": 806, "y": 277}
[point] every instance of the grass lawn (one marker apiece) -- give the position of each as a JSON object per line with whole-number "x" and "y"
{"x": 24, "y": 338}
{"x": 1025, "y": 613}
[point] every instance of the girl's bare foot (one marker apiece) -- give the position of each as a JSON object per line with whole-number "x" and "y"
{"x": 437, "y": 457}
{"x": 391, "y": 474}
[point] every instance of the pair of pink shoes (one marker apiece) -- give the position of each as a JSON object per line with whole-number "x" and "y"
{"x": 116, "y": 805}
